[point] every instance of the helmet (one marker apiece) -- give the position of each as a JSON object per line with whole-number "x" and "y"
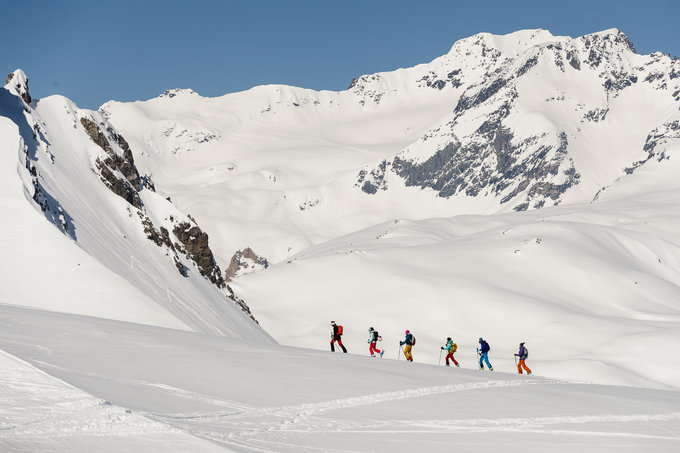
{"x": 481, "y": 339}
{"x": 407, "y": 332}
{"x": 332, "y": 323}
{"x": 370, "y": 329}
{"x": 521, "y": 344}
{"x": 448, "y": 338}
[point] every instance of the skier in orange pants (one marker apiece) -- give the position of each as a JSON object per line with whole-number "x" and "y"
{"x": 523, "y": 354}
{"x": 409, "y": 341}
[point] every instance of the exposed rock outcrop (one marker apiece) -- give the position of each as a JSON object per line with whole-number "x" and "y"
{"x": 194, "y": 242}
{"x": 113, "y": 164}
{"x": 241, "y": 303}
{"x": 244, "y": 262}
{"x": 19, "y": 83}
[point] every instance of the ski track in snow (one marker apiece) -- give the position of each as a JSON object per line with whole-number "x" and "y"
{"x": 298, "y": 412}
{"x": 304, "y": 419}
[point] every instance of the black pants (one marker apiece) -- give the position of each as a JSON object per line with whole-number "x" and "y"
{"x": 339, "y": 340}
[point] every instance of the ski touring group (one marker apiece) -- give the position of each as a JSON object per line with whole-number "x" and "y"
{"x": 406, "y": 347}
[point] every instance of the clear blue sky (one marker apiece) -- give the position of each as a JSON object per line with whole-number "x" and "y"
{"x": 92, "y": 51}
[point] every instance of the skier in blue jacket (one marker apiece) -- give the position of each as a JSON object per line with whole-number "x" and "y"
{"x": 409, "y": 341}
{"x": 483, "y": 352}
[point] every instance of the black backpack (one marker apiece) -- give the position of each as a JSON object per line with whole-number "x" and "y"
{"x": 413, "y": 340}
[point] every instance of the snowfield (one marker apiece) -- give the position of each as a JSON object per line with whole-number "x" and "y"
{"x": 173, "y": 390}
{"x": 521, "y": 188}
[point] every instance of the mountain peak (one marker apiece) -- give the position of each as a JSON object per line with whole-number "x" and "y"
{"x": 177, "y": 92}
{"x": 511, "y": 43}
{"x": 608, "y": 38}
{"x": 17, "y": 84}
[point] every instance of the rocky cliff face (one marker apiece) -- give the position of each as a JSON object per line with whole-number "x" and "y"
{"x": 118, "y": 172}
{"x": 243, "y": 262}
{"x": 116, "y": 169}
{"x": 501, "y": 139}
{"x": 88, "y": 134}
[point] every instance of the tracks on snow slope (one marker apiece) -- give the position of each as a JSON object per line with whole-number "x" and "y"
{"x": 247, "y": 428}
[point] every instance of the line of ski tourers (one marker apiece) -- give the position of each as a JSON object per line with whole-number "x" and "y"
{"x": 406, "y": 347}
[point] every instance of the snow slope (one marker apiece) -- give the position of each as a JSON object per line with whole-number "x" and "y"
{"x": 71, "y": 244}
{"x": 41, "y": 413}
{"x": 245, "y": 397}
{"x": 592, "y": 289}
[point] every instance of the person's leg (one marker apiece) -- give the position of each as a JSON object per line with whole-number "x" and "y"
{"x": 342, "y": 346}
{"x": 454, "y": 359}
{"x": 519, "y": 366}
{"x": 332, "y": 345}
{"x": 407, "y": 352}
{"x": 448, "y": 356}
{"x": 371, "y": 349}
{"x": 523, "y": 363}
{"x": 486, "y": 359}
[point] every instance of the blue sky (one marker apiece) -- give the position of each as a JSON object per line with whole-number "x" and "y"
{"x": 93, "y": 51}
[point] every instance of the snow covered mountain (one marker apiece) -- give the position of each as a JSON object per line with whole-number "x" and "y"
{"x": 521, "y": 188}
{"x": 83, "y": 222}
{"x": 499, "y": 123}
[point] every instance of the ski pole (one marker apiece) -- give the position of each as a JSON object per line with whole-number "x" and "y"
{"x": 399, "y": 352}
{"x": 440, "y": 357}
{"x": 515, "y": 359}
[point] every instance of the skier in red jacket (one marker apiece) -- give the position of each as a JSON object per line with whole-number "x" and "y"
{"x": 337, "y": 336}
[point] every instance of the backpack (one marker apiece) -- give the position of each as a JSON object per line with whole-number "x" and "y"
{"x": 339, "y": 330}
{"x": 413, "y": 340}
{"x": 485, "y": 347}
{"x": 376, "y": 336}
{"x": 454, "y": 348}
{"x": 526, "y": 353}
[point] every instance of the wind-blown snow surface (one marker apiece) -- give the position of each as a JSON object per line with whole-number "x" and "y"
{"x": 165, "y": 385}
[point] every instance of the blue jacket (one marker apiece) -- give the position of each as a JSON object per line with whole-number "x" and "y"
{"x": 407, "y": 340}
{"x": 484, "y": 347}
